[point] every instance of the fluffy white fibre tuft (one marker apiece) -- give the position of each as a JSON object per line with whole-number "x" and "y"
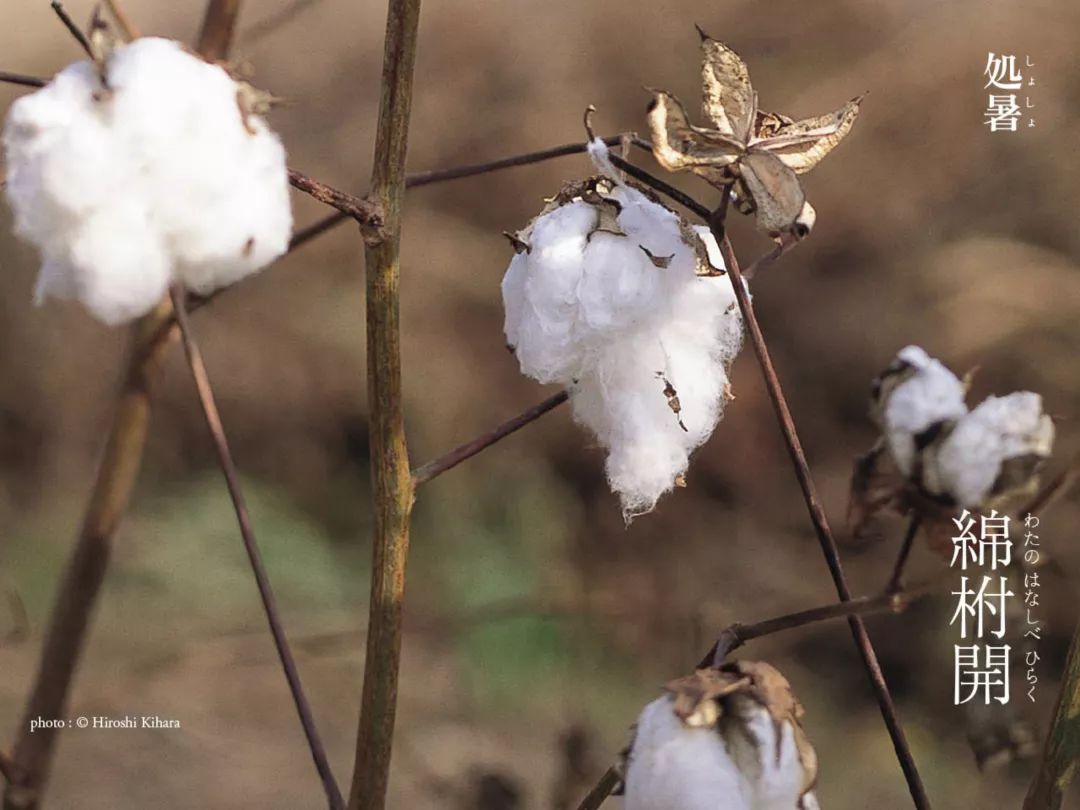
{"x": 617, "y": 317}
{"x": 931, "y": 394}
{"x": 970, "y": 460}
{"x": 741, "y": 765}
{"x": 155, "y": 178}
{"x": 973, "y": 458}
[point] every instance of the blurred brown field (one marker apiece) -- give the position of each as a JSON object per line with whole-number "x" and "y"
{"x": 533, "y": 613}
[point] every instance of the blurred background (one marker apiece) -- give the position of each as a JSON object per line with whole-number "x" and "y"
{"x": 537, "y": 625}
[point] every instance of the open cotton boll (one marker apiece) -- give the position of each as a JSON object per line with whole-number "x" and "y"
{"x": 914, "y": 396}
{"x": 994, "y": 450}
{"x": 609, "y": 295}
{"x": 142, "y": 172}
{"x": 712, "y": 749}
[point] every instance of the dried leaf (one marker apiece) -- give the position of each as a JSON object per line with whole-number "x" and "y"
{"x": 772, "y": 691}
{"x": 802, "y": 144}
{"x": 728, "y": 99}
{"x": 876, "y": 485}
{"x": 607, "y": 215}
{"x": 673, "y": 400}
{"x": 696, "y": 696}
{"x": 767, "y": 124}
{"x": 663, "y": 262}
{"x": 778, "y": 197}
{"x": 678, "y": 145}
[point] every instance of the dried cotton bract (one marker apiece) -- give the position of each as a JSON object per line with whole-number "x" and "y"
{"x": 141, "y": 171}
{"x": 727, "y": 739}
{"x": 614, "y": 296}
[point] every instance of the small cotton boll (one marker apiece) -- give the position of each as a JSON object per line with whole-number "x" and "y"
{"x": 722, "y": 744}
{"x": 916, "y": 394}
{"x": 673, "y": 766}
{"x": 993, "y": 450}
{"x": 609, "y": 298}
{"x": 154, "y": 179}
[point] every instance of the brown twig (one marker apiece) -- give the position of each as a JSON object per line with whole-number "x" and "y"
{"x": 427, "y": 178}
{"x": 821, "y": 528}
{"x": 737, "y": 634}
{"x": 604, "y": 788}
{"x": 435, "y": 468}
{"x": 262, "y": 580}
{"x": 896, "y": 579}
{"x": 127, "y": 27}
{"x": 21, "y": 79}
{"x": 365, "y": 212}
{"x": 391, "y": 485}
{"x": 72, "y": 28}
{"x": 217, "y": 30}
{"x": 81, "y": 583}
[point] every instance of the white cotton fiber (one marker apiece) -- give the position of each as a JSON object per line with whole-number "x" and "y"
{"x": 616, "y": 318}
{"x": 969, "y": 461}
{"x": 150, "y": 178}
{"x": 926, "y": 394}
{"x": 739, "y": 765}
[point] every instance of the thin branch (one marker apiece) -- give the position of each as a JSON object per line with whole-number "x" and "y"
{"x": 127, "y": 26}
{"x": 217, "y": 30}
{"x": 321, "y": 226}
{"x": 391, "y": 485}
{"x": 21, "y": 79}
{"x": 435, "y": 468}
{"x": 82, "y": 580}
{"x": 72, "y": 28}
{"x": 821, "y": 527}
{"x": 363, "y": 211}
{"x": 1061, "y": 751}
{"x": 262, "y": 580}
{"x": 683, "y": 199}
{"x": 738, "y": 634}
{"x": 604, "y": 788}
{"x": 896, "y": 579}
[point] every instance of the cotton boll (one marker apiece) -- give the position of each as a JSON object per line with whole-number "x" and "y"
{"x": 672, "y": 766}
{"x": 915, "y": 395}
{"x": 610, "y": 296}
{"x": 994, "y": 450}
{"x": 154, "y": 177}
{"x": 727, "y": 739}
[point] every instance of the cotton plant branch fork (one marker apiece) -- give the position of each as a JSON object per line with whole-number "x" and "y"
{"x": 81, "y": 582}
{"x": 391, "y": 482}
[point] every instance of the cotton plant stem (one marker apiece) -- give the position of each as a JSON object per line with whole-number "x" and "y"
{"x": 218, "y": 29}
{"x": 127, "y": 26}
{"x": 1061, "y": 752}
{"x": 821, "y": 526}
{"x": 82, "y": 580}
{"x": 604, "y": 788}
{"x": 262, "y": 580}
{"x": 391, "y": 483}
